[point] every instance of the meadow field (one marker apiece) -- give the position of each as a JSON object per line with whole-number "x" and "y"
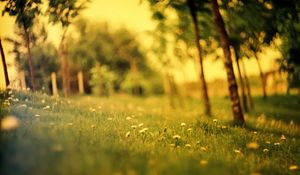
{"x": 124, "y": 135}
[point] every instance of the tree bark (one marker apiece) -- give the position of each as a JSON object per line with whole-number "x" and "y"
{"x": 193, "y": 13}
{"x": 262, "y": 77}
{"x": 4, "y": 65}
{"x": 244, "y": 97}
{"x": 30, "y": 62}
{"x": 247, "y": 84}
{"x": 238, "y": 117}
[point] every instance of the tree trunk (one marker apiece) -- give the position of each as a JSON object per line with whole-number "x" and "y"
{"x": 63, "y": 64}
{"x": 4, "y": 65}
{"x": 193, "y": 13}
{"x": 244, "y": 97}
{"x": 134, "y": 72}
{"x": 247, "y": 85}
{"x": 30, "y": 63}
{"x": 262, "y": 77}
{"x": 238, "y": 117}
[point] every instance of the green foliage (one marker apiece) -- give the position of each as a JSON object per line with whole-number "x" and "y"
{"x": 102, "y": 80}
{"x": 24, "y": 10}
{"x": 64, "y": 12}
{"x": 44, "y": 55}
{"x": 118, "y": 50}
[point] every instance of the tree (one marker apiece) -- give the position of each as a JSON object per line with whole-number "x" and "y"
{"x": 43, "y": 52}
{"x": 25, "y": 12}
{"x": 64, "y": 12}
{"x": 183, "y": 33}
{"x": 238, "y": 116}
{"x": 193, "y": 13}
{"x": 4, "y": 64}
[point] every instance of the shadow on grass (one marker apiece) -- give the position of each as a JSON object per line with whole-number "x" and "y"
{"x": 280, "y": 107}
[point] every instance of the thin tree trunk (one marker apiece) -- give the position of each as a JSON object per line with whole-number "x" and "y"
{"x": 4, "y": 65}
{"x": 238, "y": 117}
{"x": 30, "y": 63}
{"x": 134, "y": 71}
{"x": 193, "y": 13}
{"x": 262, "y": 77}
{"x": 244, "y": 97}
{"x": 61, "y": 53}
{"x": 247, "y": 84}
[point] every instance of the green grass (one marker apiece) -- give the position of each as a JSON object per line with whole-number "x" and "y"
{"x": 87, "y": 135}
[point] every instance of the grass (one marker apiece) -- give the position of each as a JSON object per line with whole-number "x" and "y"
{"x": 90, "y": 135}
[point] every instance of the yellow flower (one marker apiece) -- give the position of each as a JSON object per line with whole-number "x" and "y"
{"x": 176, "y": 137}
{"x": 127, "y": 134}
{"x": 252, "y": 145}
{"x": 203, "y": 148}
{"x": 282, "y": 137}
{"x": 9, "y": 123}
{"x": 293, "y": 167}
{"x": 237, "y": 151}
{"x": 188, "y": 145}
{"x": 276, "y": 144}
{"x": 203, "y": 162}
{"x": 93, "y": 126}
{"x": 265, "y": 150}
{"x": 133, "y": 126}
{"x": 182, "y": 124}
{"x": 109, "y": 118}
{"x": 128, "y": 118}
{"x": 215, "y": 120}
{"x": 190, "y": 129}
{"x": 141, "y": 124}
{"x": 143, "y": 130}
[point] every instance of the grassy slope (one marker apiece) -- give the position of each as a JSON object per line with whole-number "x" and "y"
{"x": 87, "y": 135}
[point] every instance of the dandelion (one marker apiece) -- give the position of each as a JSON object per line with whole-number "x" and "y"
{"x": 268, "y": 142}
{"x": 43, "y": 101}
{"x": 143, "y": 130}
{"x": 215, "y": 120}
{"x": 109, "y": 118}
{"x": 70, "y": 124}
{"x": 46, "y": 107}
{"x": 203, "y": 162}
{"x": 182, "y": 124}
{"x": 293, "y": 167}
{"x": 223, "y": 127}
{"x": 190, "y": 129}
{"x": 188, "y": 145}
{"x": 128, "y": 118}
{"x": 93, "y": 126}
{"x": 252, "y": 145}
{"x": 203, "y": 148}
{"x": 255, "y": 132}
{"x": 37, "y": 115}
{"x": 141, "y": 124}
{"x": 265, "y": 150}
{"x": 237, "y": 151}
{"x": 127, "y": 134}
{"x": 177, "y": 137}
{"x": 133, "y": 126}
{"x": 172, "y": 145}
{"x": 276, "y": 144}
{"x": 282, "y": 137}
{"x": 99, "y": 107}
{"x": 9, "y": 123}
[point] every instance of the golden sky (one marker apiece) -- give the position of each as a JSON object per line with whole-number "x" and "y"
{"x": 136, "y": 16}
